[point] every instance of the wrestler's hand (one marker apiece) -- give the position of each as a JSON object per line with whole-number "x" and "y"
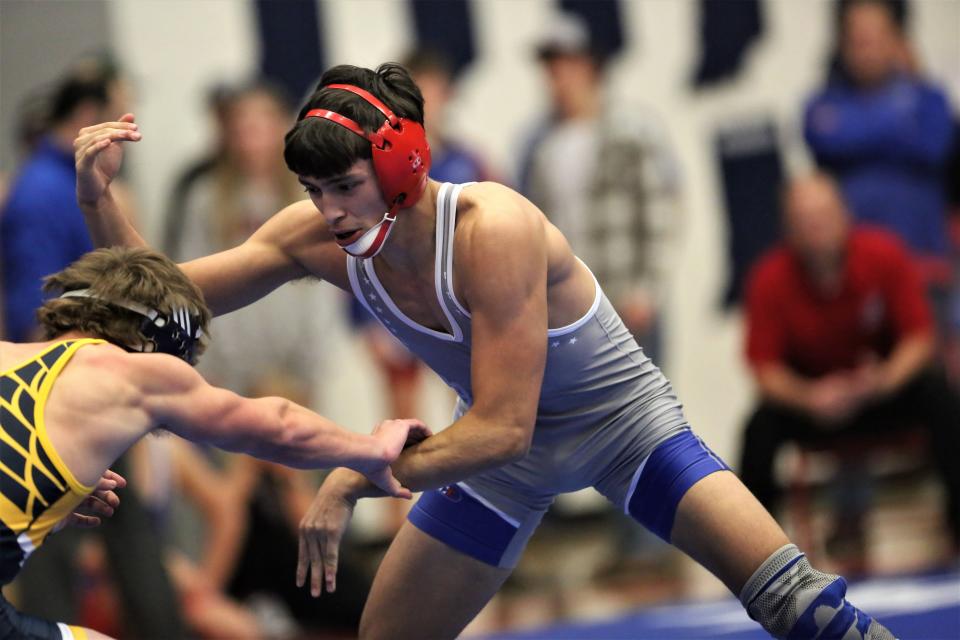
{"x": 393, "y": 436}
{"x": 98, "y": 155}
{"x": 102, "y": 502}
{"x": 321, "y": 532}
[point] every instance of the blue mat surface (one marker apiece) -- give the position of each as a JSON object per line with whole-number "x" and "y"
{"x": 914, "y": 608}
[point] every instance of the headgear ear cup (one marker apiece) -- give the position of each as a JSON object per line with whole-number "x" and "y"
{"x": 401, "y": 154}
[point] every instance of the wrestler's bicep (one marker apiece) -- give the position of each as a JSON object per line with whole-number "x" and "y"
{"x": 506, "y": 292}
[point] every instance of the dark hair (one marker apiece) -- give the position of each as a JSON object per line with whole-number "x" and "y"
{"x": 89, "y": 80}
{"x": 137, "y": 275}
{"x": 319, "y": 148}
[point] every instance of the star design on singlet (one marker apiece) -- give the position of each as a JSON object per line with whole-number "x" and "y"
{"x": 556, "y": 343}
{"x": 573, "y": 340}
{"x": 371, "y": 296}
{"x": 379, "y": 309}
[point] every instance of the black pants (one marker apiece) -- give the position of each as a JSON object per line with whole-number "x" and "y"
{"x": 928, "y": 401}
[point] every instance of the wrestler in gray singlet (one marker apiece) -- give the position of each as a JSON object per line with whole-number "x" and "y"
{"x": 604, "y": 406}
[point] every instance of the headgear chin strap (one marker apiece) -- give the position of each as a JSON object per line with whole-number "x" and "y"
{"x": 401, "y": 161}
{"x": 373, "y": 239}
{"x": 176, "y": 334}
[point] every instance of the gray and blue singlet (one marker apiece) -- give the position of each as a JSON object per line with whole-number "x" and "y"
{"x": 604, "y": 408}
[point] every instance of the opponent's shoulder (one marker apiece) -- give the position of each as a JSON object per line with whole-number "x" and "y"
{"x": 143, "y": 373}
{"x": 100, "y": 356}
{"x": 99, "y": 377}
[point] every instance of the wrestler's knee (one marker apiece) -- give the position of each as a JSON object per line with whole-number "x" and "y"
{"x": 792, "y": 600}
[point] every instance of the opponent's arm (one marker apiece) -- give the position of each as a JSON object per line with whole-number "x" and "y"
{"x": 230, "y": 279}
{"x": 98, "y": 154}
{"x": 177, "y": 398}
{"x": 505, "y": 285}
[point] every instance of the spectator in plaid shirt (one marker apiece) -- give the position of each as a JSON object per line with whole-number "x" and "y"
{"x": 607, "y": 179}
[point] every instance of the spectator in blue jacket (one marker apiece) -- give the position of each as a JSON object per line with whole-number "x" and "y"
{"x": 41, "y": 226}
{"x": 884, "y": 133}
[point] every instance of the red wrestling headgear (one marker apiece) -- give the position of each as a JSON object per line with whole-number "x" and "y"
{"x": 401, "y": 161}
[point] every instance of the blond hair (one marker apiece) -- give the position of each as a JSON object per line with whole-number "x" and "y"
{"x": 138, "y": 275}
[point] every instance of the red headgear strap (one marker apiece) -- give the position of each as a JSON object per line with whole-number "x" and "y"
{"x": 401, "y": 154}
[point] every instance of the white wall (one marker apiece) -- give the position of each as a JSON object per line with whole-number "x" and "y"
{"x": 37, "y": 41}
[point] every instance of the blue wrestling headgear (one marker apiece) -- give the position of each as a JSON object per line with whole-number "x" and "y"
{"x": 176, "y": 334}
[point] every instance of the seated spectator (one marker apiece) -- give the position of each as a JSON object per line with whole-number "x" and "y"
{"x": 840, "y": 340}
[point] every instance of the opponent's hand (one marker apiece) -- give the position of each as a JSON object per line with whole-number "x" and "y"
{"x": 393, "y": 436}
{"x": 98, "y": 155}
{"x": 102, "y": 502}
{"x": 321, "y": 531}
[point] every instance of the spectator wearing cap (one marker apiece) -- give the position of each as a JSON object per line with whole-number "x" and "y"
{"x": 607, "y": 177}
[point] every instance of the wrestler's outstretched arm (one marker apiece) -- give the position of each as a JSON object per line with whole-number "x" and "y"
{"x": 229, "y": 279}
{"x": 177, "y": 398}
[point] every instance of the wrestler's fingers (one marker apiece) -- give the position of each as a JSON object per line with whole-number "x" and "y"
{"x": 125, "y": 122}
{"x": 108, "y": 497}
{"x": 116, "y": 477}
{"x": 303, "y": 561}
{"x": 331, "y": 556}
{"x": 98, "y": 506}
{"x": 83, "y": 521}
{"x": 89, "y": 137}
{"x": 88, "y": 148}
{"x": 316, "y": 566}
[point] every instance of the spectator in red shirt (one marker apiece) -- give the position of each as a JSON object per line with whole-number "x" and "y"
{"x": 840, "y": 339}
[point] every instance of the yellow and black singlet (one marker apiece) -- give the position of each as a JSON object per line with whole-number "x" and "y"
{"x": 36, "y": 488}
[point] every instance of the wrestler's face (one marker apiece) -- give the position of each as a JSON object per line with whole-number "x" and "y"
{"x": 351, "y": 202}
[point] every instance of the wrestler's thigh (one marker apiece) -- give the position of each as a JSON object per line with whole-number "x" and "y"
{"x": 425, "y": 589}
{"x": 723, "y": 527}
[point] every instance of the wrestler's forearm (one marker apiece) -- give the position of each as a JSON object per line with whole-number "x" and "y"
{"x": 469, "y": 446}
{"x": 108, "y": 225}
